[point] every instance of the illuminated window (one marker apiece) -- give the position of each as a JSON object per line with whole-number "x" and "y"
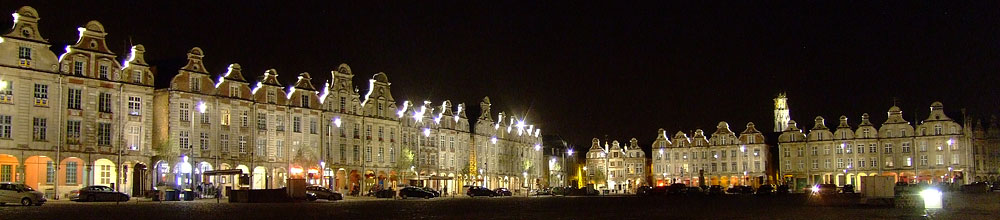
{"x": 41, "y": 95}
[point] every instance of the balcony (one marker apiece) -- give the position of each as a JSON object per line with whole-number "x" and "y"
{"x": 24, "y": 62}
{"x": 42, "y": 102}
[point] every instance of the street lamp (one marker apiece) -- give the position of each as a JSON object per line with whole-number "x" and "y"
{"x": 525, "y": 173}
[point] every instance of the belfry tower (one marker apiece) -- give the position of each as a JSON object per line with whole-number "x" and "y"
{"x": 781, "y": 116}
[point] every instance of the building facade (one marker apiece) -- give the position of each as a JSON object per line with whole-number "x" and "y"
{"x": 938, "y": 149}
{"x": 78, "y": 119}
{"x": 615, "y": 168}
{"x": 724, "y": 159}
{"x": 86, "y": 118}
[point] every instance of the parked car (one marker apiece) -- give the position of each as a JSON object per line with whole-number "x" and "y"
{"x": 659, "y": 190}
{"x": 644, "y": 191}
{"x": 543, "y": 191}
{"x": 740, "y": 190}
{"x": 765, "y": 189}
{"x": 435, "y": 192}
{"x": 783, "y": 189}
{"x": 693, "y": 191}
{"x": 995, "y": 187}
{"x": 715, "y": 190}
{"x": 847, "y": 189}
{"x": 503, "y": 192}
{"x": 825, "y": 189}
{"x": 311, "y": 196}
{"x": 676, "y": 188}
{"x": 417, "y": 192}
{"x": 384, "y": 193}
{"x": 20, "y": 193}
{"x": 97, "y": 193}
{"x": 474, "y": 191}
{"x": 324, "y": 193}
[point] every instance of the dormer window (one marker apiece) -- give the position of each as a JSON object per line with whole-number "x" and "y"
{"x": 271, "y": 96}
{"x": 195, "y": 84}
{"x": 137, "y": 76}
{"x": 305, "y": 101}
{"x": 103, "y": 71}
{"x": 78, "y": 68}
{"x": 234, "y": 91}
{"x": 24, "y": 53}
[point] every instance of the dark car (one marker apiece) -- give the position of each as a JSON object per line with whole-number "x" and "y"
{"x": 311, "y": 196}
{"x": 765, "y": 189}
{"x": 384, "y": 193}
{"x": 417, "y": 192}
{"x": 847, "y": 189}
{"x": 324, "y": 193}
{"x": 97, "y": 193}
{"x": 783, "y": 189}
{"x": 740, "y": 190}
{"x": 996, "y": 186}
{"x": 644, "y": 191}
{"x": 691, "y": 191}
{"x": 676, "y": 188}
{"x": 544, "y": 191}
{"x": 435, "y": 192}
{"x": 715, "y": 190}
{"x": 503, "y": 192}
{"x": 825, "y": 189}
{"x": 474, "y": 191}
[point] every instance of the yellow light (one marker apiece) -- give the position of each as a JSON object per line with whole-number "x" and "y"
{"x": 296, "y": 170}
{"x": 3, "y": 85}
{"x": 932, "y": 198}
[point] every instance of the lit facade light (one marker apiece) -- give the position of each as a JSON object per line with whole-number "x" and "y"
{"x": 570, "y": 152}
{"x": 202, "y": 107}
{"x": 3, "y": 85}
{"x": 743, "y": 148}
{"x": 336, "y": 121}
{"x": 493, "y": 139}
{"x": 427, "y": 132}
{"x": 402, "y": 112}
{"x": 538, "y": 147}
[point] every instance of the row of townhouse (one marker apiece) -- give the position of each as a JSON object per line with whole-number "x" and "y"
{"x": 615, "y": 168}
{"x": 723, "y": 159}
{"x": 92, "y": 118}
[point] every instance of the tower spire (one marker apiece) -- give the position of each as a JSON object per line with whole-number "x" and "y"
{"x": 781, "y": 116}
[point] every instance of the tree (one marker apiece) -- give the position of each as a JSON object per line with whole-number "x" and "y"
{"x": 405, "y": 161}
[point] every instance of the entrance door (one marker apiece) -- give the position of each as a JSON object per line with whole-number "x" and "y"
{"x": 138, "y": 179}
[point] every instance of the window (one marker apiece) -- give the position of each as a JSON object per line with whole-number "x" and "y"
{"x": 839, "y": 150}
{"x": 104, "y": 104}
{"x": 312, "y": 126}
{"x": 73, "y": 132}
{"x": 368, "y": 132}
{"x": 50, "y": 172}
{"x": 6, "y": 92}
{"x": 906, "y": 147}
{"x": 909, "y": 161}
{"x": 204, "y": 141}
{"x": 872, "y": 148}
{"x": 271, "y": 96}
{"x": 183, "y": 140}
{"x": 954, "y": 159}
{"x": 279, "y": 123}
{"x": 923, "y": 146}
{"x": 245, "y": 118}
{"x": 6, "y": 173}
{"x": 24, "y": 53}
{"x": 262, "y": 121}
{"x": 225, "y": 117}
{"x": 224, "y": 142}
{"x": 940, "y": 159}
{"x": 305, "y": 101}
{"x": 368, "y": 154}
{"x": 104, "y": 134}
{"x": 134, "y": 105}
{"x": 756, "y": 152}
{"x": 103, "y": 71}
{"x": 41, "y": 95}
{"x": 357, "y": 133}
{"x": 78, "y": 68}
{"x": 279, "y": 148}
{"x": 73, "y": 100}
{"x": 392, "y": 154}
{"x": 888, "y": 148}
{"x": 343, "y": 153}
{"x": 356, "y": 151}
{"x": 937, "y": 130}
{"x": 826, "y": 164}
{"x": 923, "y": 160}
{"x": 133, "y": 139}
{"x": 71, "y": 173}
{"x": 799, "y": 152}
{"x": 861, "y": 148}
{"x": 195, "y": 84}
{"x": 204, "y": 118}
{"x": 861, "y": 162}
{"x": 137, "y": 77}
{"x": 826, "y": 150}
{"x": 840, "y": 163}
{"x": 297, "y": 124}
{"x": 815, "y": 164}
{"x": 756, "y": 166}
{"x": 381, "y": 154}
{"x": 39, "y": 128}
{"x": 888, "y": 161}
{"x": 242, "y": 144}
{"x": 815, "y": 151}
{"x": 234, "y": 90}
{"x": 343, "y": 104}
{"x": 261, "y": 147}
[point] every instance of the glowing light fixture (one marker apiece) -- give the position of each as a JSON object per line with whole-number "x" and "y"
{"x": 932, "y": 198}
{"x": 202, "y": 107}
{"x": 538, "y": 147}
{"x": 336, "y": 121}
{"x": 427, "y": 132}
{"x": 493, "y": 139}
{"x": 402, "y": 112}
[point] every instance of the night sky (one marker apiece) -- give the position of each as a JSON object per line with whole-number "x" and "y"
{"x": 584, "y": 71}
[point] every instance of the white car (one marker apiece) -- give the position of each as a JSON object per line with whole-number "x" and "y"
{"x": 20, "y": 193}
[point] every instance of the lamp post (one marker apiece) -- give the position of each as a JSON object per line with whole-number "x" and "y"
{"x": 570, "y": 152}
{"x": 525, "y": 173}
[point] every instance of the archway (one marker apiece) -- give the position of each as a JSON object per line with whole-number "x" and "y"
{"x": 8, "y": 168}
{"x": 340, "y": 184}
{"x": 105, "y": 173}
{"x": 183, "y": 175}
{"x": 238, "y": 182}
{"x": 39, "y": 172}
{"x": 138, "y": 179}
{"x": 202, "y": 168}
{"x": 354, "y": 183}
{"x": 259, "y": 177}
{"x": 280, "y": 177}
{"x": 160, "y": 171}
{"x": 381, "y": 180}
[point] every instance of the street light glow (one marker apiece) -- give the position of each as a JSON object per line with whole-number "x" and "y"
{"x": 427, "y": 132}
{"x": 336, "y": 121}
{"x": 494, "y": 139}
{"x": 538, "y": 147}
{"x": 201, "y": 107}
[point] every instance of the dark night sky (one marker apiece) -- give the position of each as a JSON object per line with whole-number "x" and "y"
{"x": 583, "y": 70}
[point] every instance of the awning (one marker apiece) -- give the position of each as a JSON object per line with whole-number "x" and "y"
{"x": 223, "y": 172}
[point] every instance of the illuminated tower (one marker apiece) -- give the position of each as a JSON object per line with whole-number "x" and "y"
{"x": 781, "y": 116}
